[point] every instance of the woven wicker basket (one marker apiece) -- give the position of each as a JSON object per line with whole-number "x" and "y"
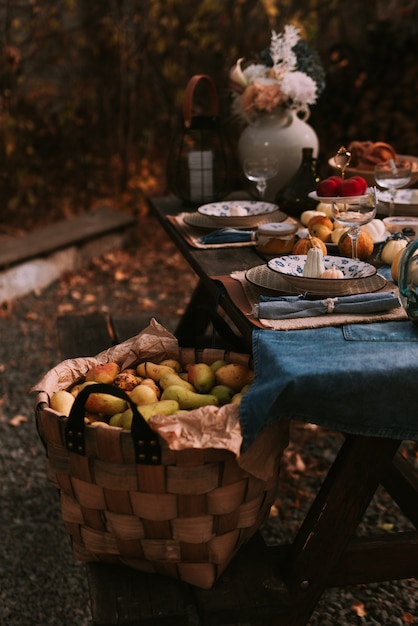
{"x": 183, "y": 513}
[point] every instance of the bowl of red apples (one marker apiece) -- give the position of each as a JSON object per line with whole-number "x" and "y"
{"x": 334, "y": 187}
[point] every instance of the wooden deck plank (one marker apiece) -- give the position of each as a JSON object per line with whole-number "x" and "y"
{"x": 63, "y": 234}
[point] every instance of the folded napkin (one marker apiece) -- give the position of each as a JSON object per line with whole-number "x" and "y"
{"x": 228, "y": 235}
{"x": 287, "y": 307}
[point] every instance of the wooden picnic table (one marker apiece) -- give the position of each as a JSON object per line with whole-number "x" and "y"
{"x": 278, "y": 585}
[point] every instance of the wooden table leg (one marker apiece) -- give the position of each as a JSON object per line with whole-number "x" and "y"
{"x": 332, "y": 520}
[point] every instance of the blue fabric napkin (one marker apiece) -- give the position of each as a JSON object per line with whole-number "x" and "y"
{"x": 287, "y": 307}
{"x": 358, "y": 378}
{"x": 228, "y": 235}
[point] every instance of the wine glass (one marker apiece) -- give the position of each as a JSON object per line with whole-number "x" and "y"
{"x": 393, "y": 175}
{"x": 260, "y": 170}
{"x": 354, "y": 213}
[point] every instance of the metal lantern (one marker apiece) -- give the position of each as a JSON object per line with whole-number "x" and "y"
{"x": 197, "y": 169}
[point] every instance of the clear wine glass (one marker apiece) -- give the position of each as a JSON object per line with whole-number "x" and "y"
{"x": 354, "y": 213}
{"x": 260, "y": 170}
{"x": 393, "y": 175}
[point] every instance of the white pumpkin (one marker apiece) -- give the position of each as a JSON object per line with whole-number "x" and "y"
{"x": 391, "y": 249}
{"x": 376, "y": 229}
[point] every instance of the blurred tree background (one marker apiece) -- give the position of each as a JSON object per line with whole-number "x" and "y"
{"x": 91, "y": 90}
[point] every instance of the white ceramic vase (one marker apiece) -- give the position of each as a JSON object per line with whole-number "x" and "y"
{"x": 281, "y": 134}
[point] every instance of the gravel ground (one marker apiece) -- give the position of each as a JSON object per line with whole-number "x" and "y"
{"x": 40, "y": 582}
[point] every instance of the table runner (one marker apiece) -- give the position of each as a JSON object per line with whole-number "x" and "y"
{"x": 358, "y": 379}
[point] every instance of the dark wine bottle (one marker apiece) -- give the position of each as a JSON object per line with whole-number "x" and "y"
{"x": 294, "y": 198}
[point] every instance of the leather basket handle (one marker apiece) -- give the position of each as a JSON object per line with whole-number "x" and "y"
{"x": 189, "y": 93}
{"x": 145, "y": 440}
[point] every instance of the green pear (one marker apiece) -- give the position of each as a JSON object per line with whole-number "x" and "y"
{"x": 188, "y": 399}
{"x": 236, "y": 398}
{"x": 104, "y": 404}
{"x": 116, "y": 420}
{"x": 162, "y": 407}
{"x": 103, "y": 373}
{"x": 201, "y": 376}
{"x": 217, "y": 364}
{"x": 62, "y": 401}
{"x": 174, "y": 379}
{"x": 77, "y": 388}
{"x": 223, "y": 393}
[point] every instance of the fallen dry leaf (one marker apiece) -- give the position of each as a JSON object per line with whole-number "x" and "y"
{"x": 408, "y": 618}
{"x": 358, "y": 608}
{"x": 17, "y": 420}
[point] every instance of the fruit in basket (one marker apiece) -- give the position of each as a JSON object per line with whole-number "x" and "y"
{"x": 217, "y": 364}
{"x": 162, "y": 407}
{"x": 127, "y": 380}
{"x": 148, "y": 369}
{"x": 174, "y": 379}
{"x": 103, "y": 373}
{"x": 104, "y": 404}
{"x": 62, "y": 401}
{"x": 176, "y": 365}
{"x": 365, "y": 245}
{"x": 151, "y": 383}
{"x": 234, "y": 375}
{"x": 188, "y": 399}
{"x": 143, "y": 394}
{"x": 223, "y": 393}
{"x": 201, "y": 376}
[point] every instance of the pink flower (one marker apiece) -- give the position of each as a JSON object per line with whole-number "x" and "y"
{"x": 259, "y": 97}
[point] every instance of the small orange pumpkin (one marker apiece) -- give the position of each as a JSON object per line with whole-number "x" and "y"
{"x": 306, "y": 243}
{"x": 365, "y": 245}
{"x": 332, "y": 272}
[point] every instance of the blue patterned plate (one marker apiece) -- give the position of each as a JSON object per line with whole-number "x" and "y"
{"x": 291, "y": 268}
{"x": 240, "y": 213}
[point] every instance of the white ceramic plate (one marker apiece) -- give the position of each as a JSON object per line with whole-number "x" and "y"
{"x": 330, "y": 199}
{"x": 239, "y": 213}
{"x": 271, "y": 282}
{"x": 291, "y": 268}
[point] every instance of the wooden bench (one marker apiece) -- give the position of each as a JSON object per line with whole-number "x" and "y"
{"x": 62, "y": 234}
{"x": 250, "y": 590}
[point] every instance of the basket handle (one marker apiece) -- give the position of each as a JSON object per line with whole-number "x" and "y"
{"x": 146, "y": 444}
{"x": 189, "y": 93}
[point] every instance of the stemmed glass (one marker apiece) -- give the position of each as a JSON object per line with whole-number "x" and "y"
{"x": 260, "y": 170}
{"x": 354, "y": 213}
{"x": 393, "y": 175}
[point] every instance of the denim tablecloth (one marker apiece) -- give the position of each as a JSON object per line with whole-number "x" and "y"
{"x": 358, "y": 379}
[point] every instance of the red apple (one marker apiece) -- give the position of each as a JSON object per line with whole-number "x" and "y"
{"x": 350, "y": 187}
{"x": 327, "y": 188}
{"x": 363, "y": 182}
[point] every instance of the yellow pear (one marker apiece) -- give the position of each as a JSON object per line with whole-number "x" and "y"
{"x": 62, "y": 401}
{"x": 217, "y": 364}
{"x": 143, "y": 394}
{"x": 162, "y": 407}
{"x": 104, "y": 404}
{"x": 176, "y": 365}
{"x": 147, "y": 369}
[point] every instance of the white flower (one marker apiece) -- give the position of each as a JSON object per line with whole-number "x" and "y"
{"x": 299, "y": 87}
